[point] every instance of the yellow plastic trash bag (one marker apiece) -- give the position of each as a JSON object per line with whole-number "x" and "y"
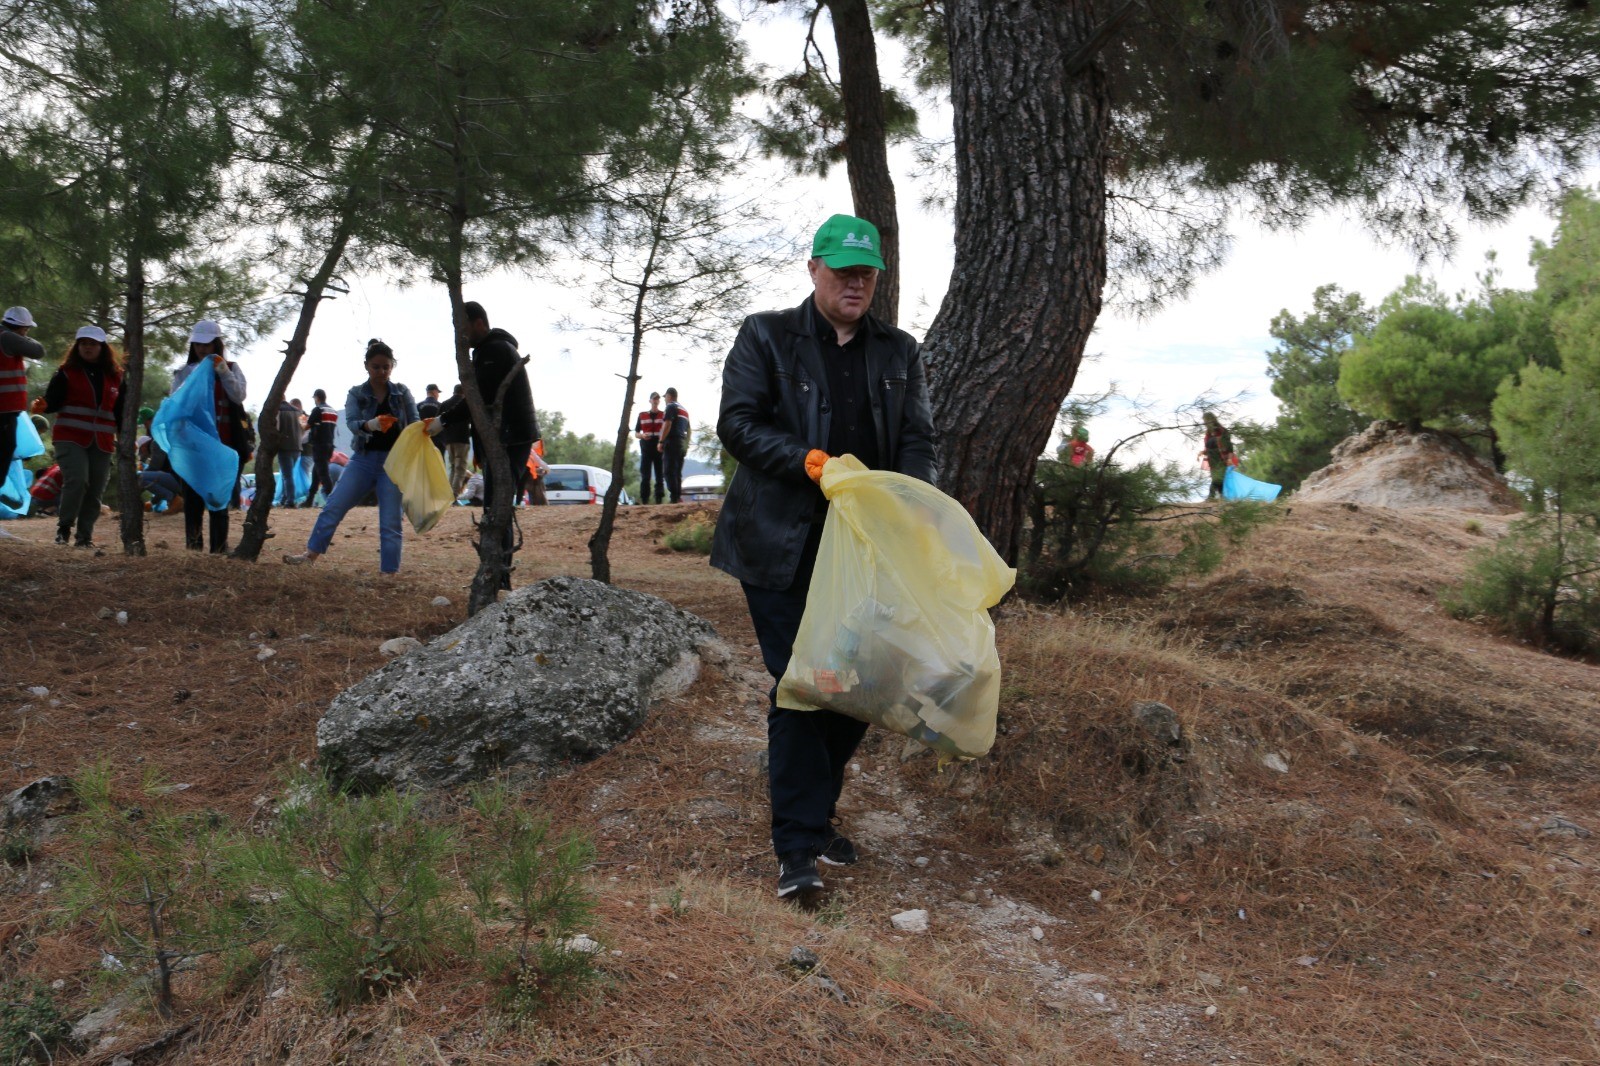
{"x": 896, "y": 630}
{"x": 417, "y": 470}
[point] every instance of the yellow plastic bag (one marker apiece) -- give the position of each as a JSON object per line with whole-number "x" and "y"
{"x": 896, "y": 630}
{"x": 417, "y": 470}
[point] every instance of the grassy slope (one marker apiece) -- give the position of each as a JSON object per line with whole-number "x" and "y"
{"x": 1389, "y": 899}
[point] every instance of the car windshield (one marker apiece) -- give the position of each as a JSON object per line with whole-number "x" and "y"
{"x": 566, "y": 480}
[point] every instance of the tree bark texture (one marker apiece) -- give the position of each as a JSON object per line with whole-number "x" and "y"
{"x": 1030, "y": 248}
{"x": 866, "y": 142}
{"x": 129, "y": 499}
{"x": 254, "y": 535}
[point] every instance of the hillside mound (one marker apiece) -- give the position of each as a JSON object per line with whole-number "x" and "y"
{"x": 1388, "y": 465}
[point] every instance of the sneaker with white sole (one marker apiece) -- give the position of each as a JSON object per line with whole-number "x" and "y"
{"x": 797, "y": 873}
{"x": 839, "y": 851}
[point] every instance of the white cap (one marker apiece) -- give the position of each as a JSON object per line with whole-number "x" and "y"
{"x": 18, "y": 316}
{"x": 205, "y": 331}
{"x": 91, "y": 333}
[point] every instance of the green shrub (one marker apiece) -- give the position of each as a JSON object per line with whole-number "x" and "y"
{"x": 31, "y": 1025}
{"x": 693, "y": 534}
{"x": 1540, "y": 581}
{"x": 160, "y": 884}
{"x": 360, "y": 888}
{"x": 1474, "y": 527}
{"x": 525, "y": 875}
{"x": 1114, "y": 527}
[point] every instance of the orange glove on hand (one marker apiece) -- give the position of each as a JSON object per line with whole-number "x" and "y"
{"x": 385, "y": 423}
{"x": 815, "y": 459}
{"x": 217, "y": 363}
{"x": 432, "y": 427}
{"x": 37, "y": 406}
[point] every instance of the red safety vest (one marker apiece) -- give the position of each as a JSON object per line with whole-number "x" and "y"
{"x": 13, "y": 383}
{"x": 81, "y": 420}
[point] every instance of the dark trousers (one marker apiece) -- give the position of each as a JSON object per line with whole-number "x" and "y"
{"x": 194, "y": 505}
{"x": 287, "y": 461}
{"x": 8, "y": 441}
{"x": 807, "y": 751}
{"x": 650, "y": 462}
{"x": 320, "y": 478}
{"x": 674, "y": 464}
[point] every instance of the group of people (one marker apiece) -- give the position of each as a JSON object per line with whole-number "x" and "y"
{"x": 86, "y": 396}
{"x": 663, "y": 436}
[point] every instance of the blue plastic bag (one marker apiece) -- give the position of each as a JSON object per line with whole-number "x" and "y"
{"x": 1235, "y": 486}
{"x": 186, "y": 429}
{"x": 291, "y": 495}
{"x": 14, "y": 497}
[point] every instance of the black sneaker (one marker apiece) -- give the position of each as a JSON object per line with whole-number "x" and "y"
{"x": 797, "y": 872}
{"x": 839, "y": 851}
{"x": 63, "y": 536}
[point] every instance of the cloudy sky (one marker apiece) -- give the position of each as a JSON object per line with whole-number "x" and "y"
{"x": 1214, "y": 340}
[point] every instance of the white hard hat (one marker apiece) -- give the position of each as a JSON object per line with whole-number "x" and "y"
{"x": 18, "y": 316}
{"x": 205, "y": 331}
{"x": 92, "y": 333}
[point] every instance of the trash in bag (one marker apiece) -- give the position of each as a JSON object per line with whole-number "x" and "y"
{"x": 15, "y": 481}
{"x": 417, "y": 470}
{"x": 1235, "y": 486}
{"x": 186, "y": 429}
{"x": 896, "y": 630}
{"x": 14, "y": 496}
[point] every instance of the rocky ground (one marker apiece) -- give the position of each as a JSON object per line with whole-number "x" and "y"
{"x": 1387, "y": 465}
{"x": 1368, "y": 841}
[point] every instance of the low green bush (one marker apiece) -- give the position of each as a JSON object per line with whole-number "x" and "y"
{"x": 1540, "y": 581}
{"x": 31, "y": 1025}
{"x": 693, "y": 534}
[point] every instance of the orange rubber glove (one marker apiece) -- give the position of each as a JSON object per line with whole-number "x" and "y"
{"x": 218, "y": 363}
{"x": 815, "y": 459}
{"x": 385, "y": 423}
{"x": 432, "y": 427}
{"x": 37, "y": 407}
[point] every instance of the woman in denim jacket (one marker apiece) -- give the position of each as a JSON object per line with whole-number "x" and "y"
{"x": 376, "y": 411}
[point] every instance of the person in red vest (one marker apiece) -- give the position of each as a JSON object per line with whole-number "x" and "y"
{"x": 86, "y": 397}
{"x": 46, "y": 491}
{"x": 205, "y": 341}
{"x": 1078, "y": 450}
{"x": 15, "y": 346}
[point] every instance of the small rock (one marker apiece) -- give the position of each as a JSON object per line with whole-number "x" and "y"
{"x": 920, "y": 860}
{"x": 1557, "y": 826}
{"x": 1036, "y": 933}
{"x": 38, "y": 690}
{"x": 1306, "y": 960}
{"x": 122, "y": 1060}
{"x": 1158, "y": 720}
{"x": 1211, "y": 1011}
{"x": 1096, "y": 896}
{"x": 122, "y": 618}
{"x": 969, "y": 896}
{"x": 398, "y": 646}
{"x": 910, "y": 921}
{"x": 582, "y": 944}
{"x": 1274, "y": 761}
{"x": 264, "y": 654}
{"x": 57, "y": 985}
{"x": 110, "y": 962}
{"x": 440, "y": 601}
{"x": 803, "y": 960}
{"x": 103, "y": 613}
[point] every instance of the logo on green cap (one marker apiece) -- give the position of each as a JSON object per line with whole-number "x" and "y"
{"x": 847, "y": 241}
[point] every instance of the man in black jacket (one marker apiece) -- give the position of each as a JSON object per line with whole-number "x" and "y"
{"x": 323, "y": 425}
{"x": 825, "y": 378}
{"x": 455, "y": 440}
{"x": 494, "y": 357}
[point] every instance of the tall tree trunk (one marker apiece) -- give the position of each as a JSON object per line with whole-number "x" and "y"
{"x": 600, "y": 541}
{"x": 866, "y": 142}
{"x": 1030, "y": 255}
{"x": 254, "y": 535}
{"x": 129, "y": 498}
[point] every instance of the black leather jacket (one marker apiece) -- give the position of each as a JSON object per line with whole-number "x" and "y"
{"x": 775, "y": 409}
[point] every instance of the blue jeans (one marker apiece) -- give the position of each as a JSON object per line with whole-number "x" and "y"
{"x": 363, "y": 474}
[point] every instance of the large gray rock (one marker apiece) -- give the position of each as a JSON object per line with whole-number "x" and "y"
{"x": 558, "y": 672}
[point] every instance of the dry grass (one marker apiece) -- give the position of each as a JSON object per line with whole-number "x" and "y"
{"x": 1401, "y": 851}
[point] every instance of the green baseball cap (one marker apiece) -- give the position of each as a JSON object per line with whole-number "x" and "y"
{"x": 847, "y": 241}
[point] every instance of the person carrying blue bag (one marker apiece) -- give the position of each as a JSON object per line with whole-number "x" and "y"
{"x": 210, "y": 476}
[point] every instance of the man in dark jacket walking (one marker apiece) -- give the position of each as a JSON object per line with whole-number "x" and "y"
{"x": 822, "y": 379}
{"x": 494, "y": 358}
{"x": 323, "y": 424}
